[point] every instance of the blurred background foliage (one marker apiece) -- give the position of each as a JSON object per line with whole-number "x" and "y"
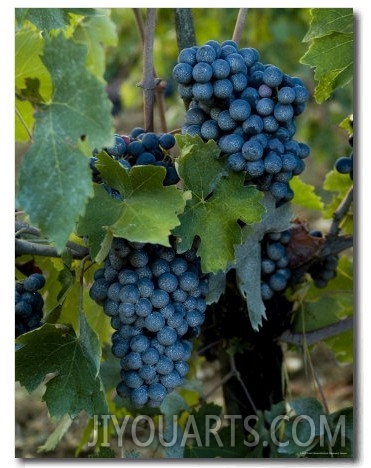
{"x": 276, "y": 33}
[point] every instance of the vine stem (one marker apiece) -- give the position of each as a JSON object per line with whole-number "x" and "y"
{"x": 240, "y": 23}
{"x": 185, "y": 34}
{"x": 232, "y": 373}
{"x": 184, "y": 28}
{"x": 161, "y": 84}
{"x": 341, "y": 211}
{"x": 25, "y": 246}
{"x": 242, "y": 383}
{"x": 315, "y": 336}
{"x": 149, "y": 83}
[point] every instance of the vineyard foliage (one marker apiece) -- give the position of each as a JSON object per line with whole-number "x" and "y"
{"x": 64, "y": 58}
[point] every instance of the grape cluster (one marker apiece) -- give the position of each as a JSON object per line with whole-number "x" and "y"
{"x": 275, "y": 271}
{"x": 156, "y": 301}
{"x": 29, "y": 303}
{"x": 248, "y": 108}
{"x": 344, "y": 164}
{"x": 324, "y": 270}
{"x": 138, "y": 149}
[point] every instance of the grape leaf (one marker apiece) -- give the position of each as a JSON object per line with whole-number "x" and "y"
{"x": 74, "y": 361}
{"x": 211, "y": 441}
{"x": 173, "y": 405}
{"x": 28, "y": 63}
{"x": 248, "y": 256}
{"x": 96, "y": 32}
{"x": 48, "y": 191}
{"x": 332, "y": 58}
{"x": 101, "y": 211}
{"x": 342, "y": 346}
{"x": 149, "y": 210}
{"x": 328, "y": 20}
{"x": 55, "y": 437}
{"x": 23, "y": 120}
{"x": 320, "y": 308}
{"x": 304, "y": 195}
{"x": 217, "y": 204}
{"x": 49, "y": 18}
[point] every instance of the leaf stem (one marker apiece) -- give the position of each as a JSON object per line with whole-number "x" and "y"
{"x": 240, "y": 23}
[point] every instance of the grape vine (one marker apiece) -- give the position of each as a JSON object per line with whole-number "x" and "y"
{"x": 162, "y": 249}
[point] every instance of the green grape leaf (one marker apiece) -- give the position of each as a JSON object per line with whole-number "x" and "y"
{"x": 24, "y": 120}
{"x": 71, "y": 364}
{"x": 217, "y": 204}
{"x": 210, "y": 439}
{"x": 55, "y": 437}
{"x": 317, "y": 434}
{"x": 47, "y": 188}
{"x": 325, "y": 21}
{"x": 172, "y": 405}
{"x": 332, "y": 58}
{"x": 149, "y": 210}
{"x": 304, "y": 195}
{"x": 198, "y": 165}
{"x": 47, "y": 19}
{"x": 106, "y": 452}
{"x": 342, "y": 345}
{"x": 323, "y": 307}
{"x": 309, "y": 427}
{"x": 248, "y": 264}
{"x": 336, "y": 182}
{"x": 101, "y": 211}
{"x": 96, "y": 32}
{"x": 347, "y": 124}
{"x": 28, "y": 63}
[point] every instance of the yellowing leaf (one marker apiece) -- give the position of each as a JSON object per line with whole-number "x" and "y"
{"x": 55, "y": 179}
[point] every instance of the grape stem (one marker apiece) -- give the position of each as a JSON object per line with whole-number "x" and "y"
{"x": 160, "y": 88}
{"x": 240, "y": 24}
{"x": 309, "y": 338}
